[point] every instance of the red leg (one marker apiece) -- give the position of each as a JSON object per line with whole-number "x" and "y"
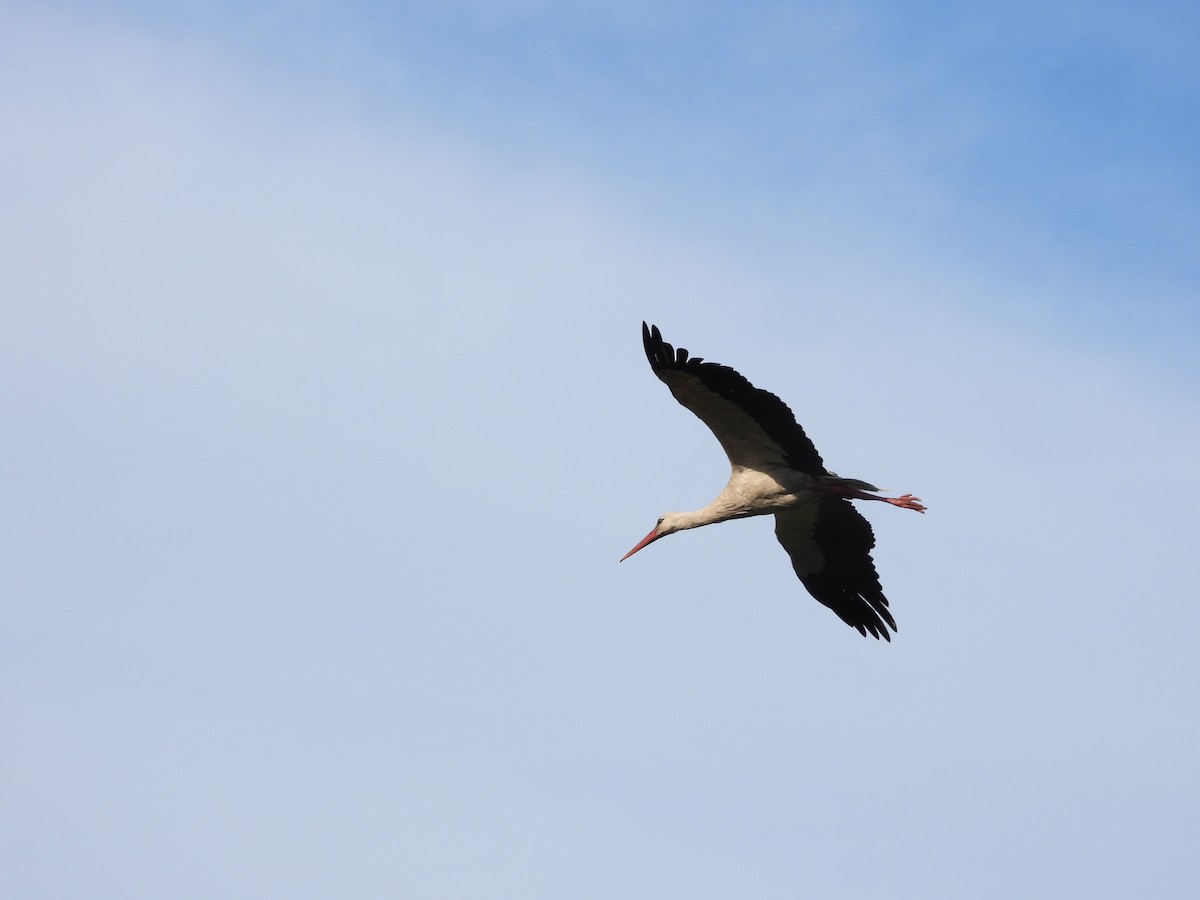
{"x": 906, "y": 501}
{"x": 840, "y": 487}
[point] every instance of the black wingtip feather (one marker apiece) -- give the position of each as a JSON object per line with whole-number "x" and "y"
{"x": 771, "y": 413}
{"x": 863, "y": 607}
{"x": 847, "y": 583}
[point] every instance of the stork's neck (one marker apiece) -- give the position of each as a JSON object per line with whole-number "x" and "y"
{"x": 720, "y": 510}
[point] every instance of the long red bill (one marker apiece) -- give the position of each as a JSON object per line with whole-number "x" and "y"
{"x": 648, "y": 539}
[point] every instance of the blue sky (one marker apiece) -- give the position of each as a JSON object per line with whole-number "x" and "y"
{"x": 328, "y": 421}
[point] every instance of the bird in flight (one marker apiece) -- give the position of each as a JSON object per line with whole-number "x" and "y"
{"x": 777, "y": 471}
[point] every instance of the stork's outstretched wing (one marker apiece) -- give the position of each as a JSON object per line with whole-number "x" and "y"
{"x": 830, "y": 546}
{"x": 755, "y": 427}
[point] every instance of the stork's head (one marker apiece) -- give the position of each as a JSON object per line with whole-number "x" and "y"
{"x": 666, "y": 524}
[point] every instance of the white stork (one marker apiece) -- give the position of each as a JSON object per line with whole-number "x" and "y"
{"x": 777, "y": 471}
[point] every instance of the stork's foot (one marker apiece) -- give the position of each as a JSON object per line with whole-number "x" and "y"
{"x": 908, "y": 501}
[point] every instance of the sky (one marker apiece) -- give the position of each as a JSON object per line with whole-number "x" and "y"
{"x": 327, "y": 421}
